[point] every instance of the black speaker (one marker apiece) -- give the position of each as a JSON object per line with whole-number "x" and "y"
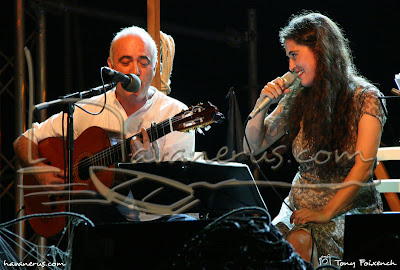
{"x": 226, "y": 243}
{"x": 372, "y": 240}
{"x": 142, "y": 245}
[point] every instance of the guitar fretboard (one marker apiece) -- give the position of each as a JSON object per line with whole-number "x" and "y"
{"x": 114, "y": 154}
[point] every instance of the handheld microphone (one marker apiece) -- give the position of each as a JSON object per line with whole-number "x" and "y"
{"x": 397, "y": 80}
{"x": 288, "y": 78}
{"x": 130, "y": 82}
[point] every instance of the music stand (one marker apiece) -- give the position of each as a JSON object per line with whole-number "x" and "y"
{"x": 213, "y": 202}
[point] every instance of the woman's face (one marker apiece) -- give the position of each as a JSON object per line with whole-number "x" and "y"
{"x": 302, "y": 61}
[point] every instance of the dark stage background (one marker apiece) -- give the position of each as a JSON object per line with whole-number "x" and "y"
{"x": 207, "y": 63}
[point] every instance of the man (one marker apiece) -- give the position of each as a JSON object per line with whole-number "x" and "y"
{"x": 132, "y": 51}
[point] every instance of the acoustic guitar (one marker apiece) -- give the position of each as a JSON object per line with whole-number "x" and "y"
{"x": 97, "y": 147}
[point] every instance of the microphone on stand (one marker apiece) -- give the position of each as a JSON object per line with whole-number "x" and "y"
{"x": 130, "y": 82}
{"x": 288, "y": 78}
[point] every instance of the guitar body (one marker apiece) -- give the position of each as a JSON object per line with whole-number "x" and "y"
{"x": 91, "y": 141}
{"x": 96, "y": 147}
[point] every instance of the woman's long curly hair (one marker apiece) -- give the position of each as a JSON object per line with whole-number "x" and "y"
{"x": 325, "y": 109}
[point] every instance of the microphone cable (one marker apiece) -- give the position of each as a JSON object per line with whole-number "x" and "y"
{"x": 264, "y": 176}
{"x": 105, "y": 97}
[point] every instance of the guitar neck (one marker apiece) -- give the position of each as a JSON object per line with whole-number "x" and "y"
{"x": 195, "y": 117}
{"x": 156, "y": 131}
{"x": 114, "y": 153}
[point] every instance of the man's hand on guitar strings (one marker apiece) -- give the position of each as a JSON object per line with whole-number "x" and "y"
{"x": 144, "y": 151}
{"x": 55, "y": 179}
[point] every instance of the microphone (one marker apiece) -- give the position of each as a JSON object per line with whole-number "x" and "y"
{"x": 397, "y": 79}
{"x": 288, "y": 78}
{"x": 130, "y": 82}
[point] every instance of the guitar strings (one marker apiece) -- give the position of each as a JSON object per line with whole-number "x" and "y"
{"x": 114, "y": 152}
{"x": 96, "y": 159}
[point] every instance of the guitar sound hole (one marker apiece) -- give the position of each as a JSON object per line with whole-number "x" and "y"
{"x": 83, "y": 169}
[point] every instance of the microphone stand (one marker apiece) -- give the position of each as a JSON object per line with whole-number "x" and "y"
{"x": 69, "y": 109}
{"x": 82, "y": 95}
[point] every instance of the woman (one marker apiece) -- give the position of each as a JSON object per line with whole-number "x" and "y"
{"x": 330, "y": 110}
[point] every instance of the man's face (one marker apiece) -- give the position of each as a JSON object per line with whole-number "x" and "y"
{"x": 132, "y": 55}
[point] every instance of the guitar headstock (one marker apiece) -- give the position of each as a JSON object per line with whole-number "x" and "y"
{"x": 199, "y": 116}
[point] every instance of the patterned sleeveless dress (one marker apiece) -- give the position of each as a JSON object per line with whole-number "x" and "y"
{"x": 328, "y": 238}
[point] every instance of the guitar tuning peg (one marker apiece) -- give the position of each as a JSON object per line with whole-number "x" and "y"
{"x": 200, "y": 131}
{"x": 207, "y": 128}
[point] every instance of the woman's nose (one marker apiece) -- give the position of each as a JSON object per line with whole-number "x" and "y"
{"x": 292, "y": 65}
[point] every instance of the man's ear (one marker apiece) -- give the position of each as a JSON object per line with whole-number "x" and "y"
{"x": 109, "y": 62}
{"x": 155, "y": 66}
